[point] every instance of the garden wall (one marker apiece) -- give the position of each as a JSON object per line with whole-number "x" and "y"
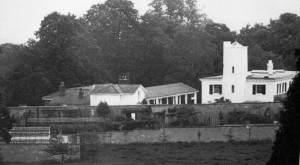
{"x": 193, "y": 134}
{"x": 205, "y": 110}
{"x": 30, "y": 153}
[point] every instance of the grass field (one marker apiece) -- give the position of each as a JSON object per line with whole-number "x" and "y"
{"x": 215, "y": 153}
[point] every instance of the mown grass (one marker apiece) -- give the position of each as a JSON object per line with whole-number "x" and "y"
{"x": 238, "y": 153}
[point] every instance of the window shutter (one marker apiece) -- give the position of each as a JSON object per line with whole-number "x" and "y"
{"x": 220, "y": 89}
{"x": 264, "y": 89}
{"x": 254, "y": 89}
{"x": 211, "y": 89}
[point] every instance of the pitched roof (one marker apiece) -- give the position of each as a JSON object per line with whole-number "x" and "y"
{"x": 115, "y": 88}
{"x": 168, "y": 90}
{"x": 71, "y": 96}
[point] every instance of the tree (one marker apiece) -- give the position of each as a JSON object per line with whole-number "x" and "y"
{"x": 287, "y": 145}
{"x": 103, "y": 109}
{"x": 91, "y": 143}
{"x": 60, "y": 148}
{"x": 5, "y": 124}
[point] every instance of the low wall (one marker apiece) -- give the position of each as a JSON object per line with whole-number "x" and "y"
{"x": 211, "y": 110}
{"x": 30, "y": 153}
{"x": 193, "y": 134}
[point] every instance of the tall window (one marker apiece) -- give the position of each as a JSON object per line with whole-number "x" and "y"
{"x": 232, "y": 88}
{"x": 215, "y": 89}
{"x": 233, "y": 69}
{"x": 259, "y": 89}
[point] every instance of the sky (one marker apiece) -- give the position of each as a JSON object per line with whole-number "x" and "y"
{"x": 19, "y": 19}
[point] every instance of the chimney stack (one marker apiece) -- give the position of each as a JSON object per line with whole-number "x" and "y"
{"x": 81, "y": 93}
{"x": 124, "y": 79}
{"x": 270, "y": 67}
{"x": 62, "y": 89}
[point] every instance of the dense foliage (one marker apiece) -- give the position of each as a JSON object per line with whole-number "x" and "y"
{"x": 286, "y": 148}
{"x": 5, "y": 124}
{"x": 102, "y": 109}
{"x": 172, "y": 42}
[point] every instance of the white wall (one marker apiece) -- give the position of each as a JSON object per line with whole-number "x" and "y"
{"x": 271, "y": 90}
{"x": 118, "y": 99}
{"x": 237, "y": 57}
{"x": 206, "y": 97}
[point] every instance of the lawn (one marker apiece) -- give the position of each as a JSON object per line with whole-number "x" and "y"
{"x": 238, "y": 153}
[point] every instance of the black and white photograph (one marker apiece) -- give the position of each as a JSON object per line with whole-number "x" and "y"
{"x": 150, "y": 82}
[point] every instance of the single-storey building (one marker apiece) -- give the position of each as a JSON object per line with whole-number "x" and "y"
{"x": 177, "y": 93}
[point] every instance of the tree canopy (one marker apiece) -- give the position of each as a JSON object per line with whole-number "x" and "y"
{"x": 172, "y": 42}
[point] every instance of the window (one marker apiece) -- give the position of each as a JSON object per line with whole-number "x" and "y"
{"x": 232, "y": 88}
{"x": 259, "y": 89}
{"x": 233, "y": 69}
{"x": 215, "y": 89}
{"x": 282, "y": 87}
{"x": 285, "y": 87}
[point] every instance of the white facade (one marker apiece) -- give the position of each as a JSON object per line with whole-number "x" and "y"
{"x": 235, "y": 68}
{"x": 118, "y": 98}
{"x": 238, "y": 85}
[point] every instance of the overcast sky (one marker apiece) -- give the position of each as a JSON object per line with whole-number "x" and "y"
{"x": 19, "y": 19}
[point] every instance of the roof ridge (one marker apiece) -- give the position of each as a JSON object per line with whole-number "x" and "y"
{"x": 108, "y": 85}
{"x": 166, "y": 84}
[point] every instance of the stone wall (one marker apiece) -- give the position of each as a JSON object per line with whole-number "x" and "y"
{"x": 193, "y": 134}
{"x": 204, "y": 110}
{"x": 30, "y": 153}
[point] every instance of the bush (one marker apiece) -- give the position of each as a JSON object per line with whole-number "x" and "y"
{"x": 184, "y": 116}
{"x": 242, "y": 117}
{"x": 103, "y": 109}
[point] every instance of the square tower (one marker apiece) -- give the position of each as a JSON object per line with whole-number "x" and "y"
{"x": 235, "y": 70}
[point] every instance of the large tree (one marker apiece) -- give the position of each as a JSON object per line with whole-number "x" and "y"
{"x": 5, "y": 124}
{"x": 286, "y": 148}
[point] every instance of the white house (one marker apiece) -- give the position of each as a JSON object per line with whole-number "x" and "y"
{"x": 122, "y": 94}
{"x": 117, "y": 94}
{"x": 239, "y": 85}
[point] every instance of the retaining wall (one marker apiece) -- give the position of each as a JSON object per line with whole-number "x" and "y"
{"x": 204, "y": 110}
{"x": 193, "y": 134}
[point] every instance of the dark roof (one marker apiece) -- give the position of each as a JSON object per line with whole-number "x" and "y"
{"x": 168, "y": 90}
{"x": 115, "y": 88}
{"x": 71, "y": 96}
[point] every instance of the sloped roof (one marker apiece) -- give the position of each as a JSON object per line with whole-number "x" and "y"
{"x": 168, "y": 90}
{"x": 115, "y": 88}
{"x": 71, "y": 96}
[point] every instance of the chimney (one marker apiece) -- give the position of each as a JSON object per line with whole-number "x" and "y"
{"x": 124, "y": 79}
{"x": 81, "y": 93}
{"x": 270, "y": 67}
{"x": 62, "y": 90}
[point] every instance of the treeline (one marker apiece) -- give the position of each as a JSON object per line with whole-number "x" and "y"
{"x": 172, "y": 42}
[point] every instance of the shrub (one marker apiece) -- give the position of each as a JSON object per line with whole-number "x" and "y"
{"x": 184, "y": 116}
{"x": 103, "y": 109}
{"x": 242, "y": 117}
